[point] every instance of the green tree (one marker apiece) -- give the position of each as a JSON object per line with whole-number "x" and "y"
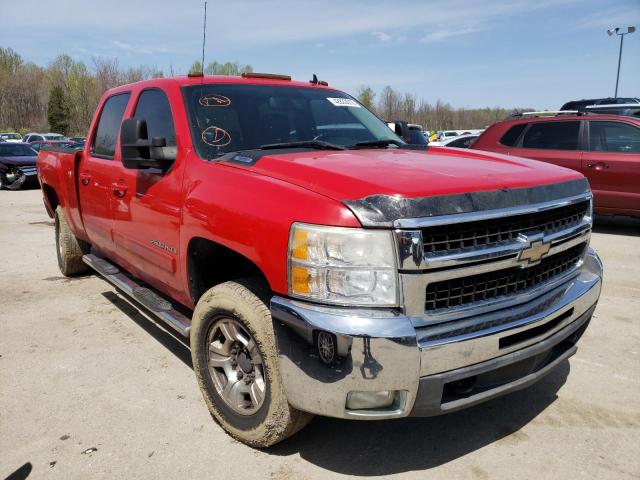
{"x": 228, "y": 68}
{"x": 58, "y": 111}
{"x": 366, "y": 96}
{"x": 196, "y": 67}
{"x": 10, "y": 61}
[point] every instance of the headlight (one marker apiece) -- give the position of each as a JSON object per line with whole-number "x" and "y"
{"x": 344, "y": 266}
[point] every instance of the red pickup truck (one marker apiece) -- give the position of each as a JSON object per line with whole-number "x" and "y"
{"x": 316, "y": 262}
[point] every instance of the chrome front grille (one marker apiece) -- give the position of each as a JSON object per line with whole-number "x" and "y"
{"x": 494, "y": 284}
{"x": 483, "y": 233}
{"x": 463, "y": 265}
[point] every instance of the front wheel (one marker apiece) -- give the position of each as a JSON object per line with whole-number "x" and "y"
{"x": 235, "y": 360}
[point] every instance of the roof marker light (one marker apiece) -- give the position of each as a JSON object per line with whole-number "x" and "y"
{"x": 271, "y": 76}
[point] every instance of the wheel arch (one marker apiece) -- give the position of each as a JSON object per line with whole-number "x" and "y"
{"x": 51, "y": 200}
{"x": 210, "y": 263}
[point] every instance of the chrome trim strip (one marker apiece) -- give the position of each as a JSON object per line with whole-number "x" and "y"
{"x": 462, "y": 271}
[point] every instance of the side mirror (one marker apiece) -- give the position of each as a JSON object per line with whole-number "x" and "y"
{"x": 402, "y": 130}
{"x": 139, "y": 151}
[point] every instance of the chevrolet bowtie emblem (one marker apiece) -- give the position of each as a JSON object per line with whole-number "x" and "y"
{"x": 534, "y": 252}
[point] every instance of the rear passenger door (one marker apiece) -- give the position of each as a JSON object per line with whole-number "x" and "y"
{"x": 556, "y": 142}
{"x": 612, "y": 164}
{"x": 96, "y": 172}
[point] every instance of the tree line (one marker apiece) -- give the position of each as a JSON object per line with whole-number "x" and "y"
{"x": 62, "y": 96}
{"x": 392, "y": 105}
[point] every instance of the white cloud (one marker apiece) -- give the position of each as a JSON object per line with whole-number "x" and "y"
{"x": 137, "y": 48}
{"x": 444, "y": 34}
{"x": 382, "y": 36}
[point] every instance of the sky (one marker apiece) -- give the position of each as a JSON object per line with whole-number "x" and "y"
{"x": 520, "y": 53}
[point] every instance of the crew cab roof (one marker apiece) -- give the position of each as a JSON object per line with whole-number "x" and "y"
{"x": 185, "y": 81}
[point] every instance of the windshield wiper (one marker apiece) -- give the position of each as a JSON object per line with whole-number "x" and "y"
{"x": 378, "y": 143}
{"x": 319, "y": 144}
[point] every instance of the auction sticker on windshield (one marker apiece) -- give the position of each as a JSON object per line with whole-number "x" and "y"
{"x": 343, "y": 102}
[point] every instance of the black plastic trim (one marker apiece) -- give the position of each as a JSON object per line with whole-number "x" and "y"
{"x": 383, "y": 210}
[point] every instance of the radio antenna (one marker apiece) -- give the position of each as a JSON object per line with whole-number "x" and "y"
{"x": 204, "y": 36}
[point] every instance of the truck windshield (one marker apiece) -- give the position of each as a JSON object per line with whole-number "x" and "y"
{"x": 228, "y": 118}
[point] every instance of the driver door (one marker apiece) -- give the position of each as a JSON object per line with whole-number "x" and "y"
{"x": 147, "y": 203}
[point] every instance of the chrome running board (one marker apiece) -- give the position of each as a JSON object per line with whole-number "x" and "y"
{"x": 153, "y": 303}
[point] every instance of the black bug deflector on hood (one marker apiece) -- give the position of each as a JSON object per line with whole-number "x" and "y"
{"x": 390, "y": 210}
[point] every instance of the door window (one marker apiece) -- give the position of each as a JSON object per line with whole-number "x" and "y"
{"x": 552, "y": 135}
{"x": 104, "y": 141}
{"x": 513, "y": 134}
{"x": 613, "y": 137}
{"x": 153, "y": 106}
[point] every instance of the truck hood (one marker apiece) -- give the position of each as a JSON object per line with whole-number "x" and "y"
{"x": 356, "y": 174}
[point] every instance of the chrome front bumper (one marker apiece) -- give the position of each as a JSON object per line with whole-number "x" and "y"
{"x": 435, "y": 369}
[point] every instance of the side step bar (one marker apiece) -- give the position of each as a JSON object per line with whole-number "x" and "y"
{"x": 160, "y": 308}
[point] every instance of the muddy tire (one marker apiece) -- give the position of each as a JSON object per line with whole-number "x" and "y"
{"x": 69, "y": 248}
{"x": 232, "y": 335}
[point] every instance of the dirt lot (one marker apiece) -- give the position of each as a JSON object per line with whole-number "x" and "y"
{"x": 80, "y": 369}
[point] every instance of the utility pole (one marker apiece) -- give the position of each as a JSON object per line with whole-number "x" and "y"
{"x": 618, "y": 31}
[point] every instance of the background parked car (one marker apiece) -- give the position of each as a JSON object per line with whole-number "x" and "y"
{"x": 17, "y": 165}
{"x": 581, "y": 104}
{"x": 628, "y": 109}
{"x": 10, "y": 137}
{"x": 77, "y": 139}
{"x": 461, "y": 141}
{"x": 445, "y": 134}
{"x": 605, "y": 148}
{"x": 39, "y": 137}
{"x": 37, "y": 146}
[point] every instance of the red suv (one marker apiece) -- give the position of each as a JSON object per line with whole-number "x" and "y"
{"x": 605, "y": 148}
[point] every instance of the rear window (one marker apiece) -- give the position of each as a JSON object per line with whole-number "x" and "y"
{"x": 552, "y": 135}
{"x": 104, "y": 142}
{"x": 16, "y": 150}
{"x": 511, "y": 137}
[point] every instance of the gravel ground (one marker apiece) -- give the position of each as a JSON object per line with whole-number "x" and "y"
{"x": 91, "y": 389}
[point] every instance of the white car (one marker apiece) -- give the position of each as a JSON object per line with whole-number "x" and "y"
{"x": 461, "y": 141}
{"x": 10, "y": 137}
{"x": 40, "y": 137}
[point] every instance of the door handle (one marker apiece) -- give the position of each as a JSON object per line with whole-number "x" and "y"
{"x": 119, "y": 189}
{"x": 598, "y": 165}
{"x": 85, "y": 178}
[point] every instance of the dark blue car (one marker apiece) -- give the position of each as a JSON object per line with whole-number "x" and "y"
{"x": 17, "y": 165}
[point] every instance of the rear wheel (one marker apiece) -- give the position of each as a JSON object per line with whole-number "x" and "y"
{"x": 69, "y": 248}
{"x": 235, "y": 360}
